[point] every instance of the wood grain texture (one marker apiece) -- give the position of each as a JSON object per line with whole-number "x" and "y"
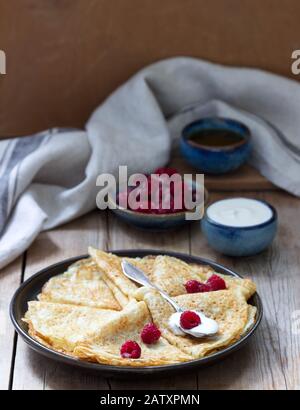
{"x": 245, "y": 178}
{"x": 65, "y": 57}
{"x": 270, "y": 361}
{"x": 283, "y": 268}
{"x": 10, "y": 279}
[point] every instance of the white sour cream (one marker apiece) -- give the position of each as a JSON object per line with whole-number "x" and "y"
{"x": 239, "y": 212}
{"x": 207, "y": 327}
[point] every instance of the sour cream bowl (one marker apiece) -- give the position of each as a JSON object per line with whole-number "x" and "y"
{"x": 240, "y": 226}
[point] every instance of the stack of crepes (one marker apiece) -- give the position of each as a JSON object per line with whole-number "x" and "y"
{"x": 89, "y": 311}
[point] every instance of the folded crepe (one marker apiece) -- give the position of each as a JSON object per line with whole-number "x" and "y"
{"x": 93, "y": 308}
{"x": 170, "y": 274}
{"x": 122, "y": 287}
{"x": 246, "y": 286}
{"x": 227, "y": 307}
{"x": 83, "y": 285}
{"x": 127, "y": 325}
{"x": 62, "y": 326}
{"x": 110, "y": 264}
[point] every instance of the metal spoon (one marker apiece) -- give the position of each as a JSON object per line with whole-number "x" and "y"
{"x": 139, "y": 276}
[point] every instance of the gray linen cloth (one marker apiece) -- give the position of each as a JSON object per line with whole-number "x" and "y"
{"x": 49, "y": 178}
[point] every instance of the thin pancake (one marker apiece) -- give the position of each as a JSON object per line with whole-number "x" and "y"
{"x": 84, "y": 269}
{"x": 251, "y": 318}
{"x": 246, "y": 286}
{"x": 170, "y": 274}
{"x": 122, "y": 299}
{"x": 91, "y": 310}
{"x": 228, "y": 308}
{"x": 105, "y": 347}
{"x": 111, "y": 265}
{"x": 83, "y": 285}
{"x": 63, "y": 326}
{"x": 146, "y": 264}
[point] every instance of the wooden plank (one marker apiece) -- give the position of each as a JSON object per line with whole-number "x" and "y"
{"x": 284, "y": 277}
{"x": 245, "y": 178}
{"x": 122, "y": 236}
{"x": 271, "y": 359}
{"x": 10, "y": 279}
{"x": 32, "y": 371}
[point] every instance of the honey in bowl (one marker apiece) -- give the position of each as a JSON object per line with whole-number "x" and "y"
{"x": 215, "y": 145}
{"x": 216, "y": 138}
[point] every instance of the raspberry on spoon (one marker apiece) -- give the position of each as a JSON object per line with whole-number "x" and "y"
{"x": 189, "y": 319}
{"x": 130, "y": 350}
{"x": 150, "y": 333}
{"x": 215, "y": 282}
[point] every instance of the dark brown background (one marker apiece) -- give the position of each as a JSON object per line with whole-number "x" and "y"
{"x": 65, "y": 56}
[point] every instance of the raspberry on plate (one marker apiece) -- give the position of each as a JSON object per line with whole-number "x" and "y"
{"x": 130, "y": 350}
{"x": 204, "y": 287}
{"x": 215, "y": 282}
{"x": 150, "y": 334}
{"x": 193, "y": 286}
{"x": 122, "y": 199}
{"x": 189, "y": 319}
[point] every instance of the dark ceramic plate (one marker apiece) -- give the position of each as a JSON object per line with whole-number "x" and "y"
{"x": 32, "y": 287}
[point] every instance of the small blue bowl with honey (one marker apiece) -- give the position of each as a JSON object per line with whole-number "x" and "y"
{"x": 215, "y": 145}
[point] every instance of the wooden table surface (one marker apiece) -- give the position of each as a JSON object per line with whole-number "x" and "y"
{"x": 271, "y": 360}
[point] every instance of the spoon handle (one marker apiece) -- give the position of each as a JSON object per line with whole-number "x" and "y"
{"x": 139, "y": 276}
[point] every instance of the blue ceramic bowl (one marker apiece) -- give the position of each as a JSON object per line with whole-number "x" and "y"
{"x": 215, "y": 160}
{"x": 152, "y": 222}
{"x": 240, "y": 241}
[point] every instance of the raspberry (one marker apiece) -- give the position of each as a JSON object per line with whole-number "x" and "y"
{"x": 145, "y": 207}
{"x": 150, "y": 334}
{"x": 193, "y": 286}
{"x": 130, "y": 350}
{"x": 168, "y": 171}
{"x": 159, "y": 203}
{"x": 122, "y": 199}
{"x": 189, "y": 319}
{"x": 216, "y": 283}
{"x": 204, "y": 287}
